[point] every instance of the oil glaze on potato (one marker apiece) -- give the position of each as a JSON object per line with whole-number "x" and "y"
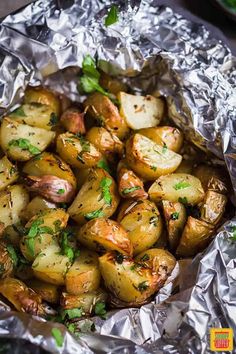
{"x": 48, "y": 292}
{"x": 177, "y": 187}
{"x": 130, "y": 185}
{"x": 84, "y": 275}
{"x": 98, "y": 197}
{"x": 148, "y": 159}
{"x": 8, "y": 173}
{"x": 85, "y": 301}
{"x": 35, "y": 206}
{"x": 43, "y": 96}
{"x": 142, "y": 220}
{"x": 105, "y": 234}
{"x": 211, "y": 178}
{"x": 213, "y": 207}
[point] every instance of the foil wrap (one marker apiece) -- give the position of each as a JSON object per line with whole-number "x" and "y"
{"x": 156, "y": 50}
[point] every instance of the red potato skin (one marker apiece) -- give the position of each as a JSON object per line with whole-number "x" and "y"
{"x": 49, "y": 187}
{"x": 73, "y": 121}
{"x": 127, "y": 179}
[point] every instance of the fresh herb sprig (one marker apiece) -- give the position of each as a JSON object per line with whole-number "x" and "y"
{"x": 112, "y": 16}
{"x": 24, "y": 144}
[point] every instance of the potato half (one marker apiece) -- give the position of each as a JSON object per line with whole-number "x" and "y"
{"x": 177, "y": 187}
{"x": 148, "y": 159}
{"x": 130, "y": 185}
{"x": 43, "y": 96}
{"x": 104, "y": 234}
{"x": 142, "y": 220}
{"x": 36, "y": 206}
{"x": 86, "y": 301}
{"x": 213, "y": 207}
{"x": 141, "y": 111}
{"x": 8, "y": 173}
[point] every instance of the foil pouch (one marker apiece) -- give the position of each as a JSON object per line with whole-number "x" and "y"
{"x": 156, "y": 50}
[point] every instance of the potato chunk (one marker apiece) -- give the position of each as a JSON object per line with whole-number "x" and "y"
{"x": 43, "y": 96}
{"x": 86, "y": 301}
{"x": 8, "y": 173}
{"x": 213, "y": 207}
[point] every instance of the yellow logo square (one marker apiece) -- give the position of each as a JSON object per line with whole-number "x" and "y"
{"x": 221, "y": 339}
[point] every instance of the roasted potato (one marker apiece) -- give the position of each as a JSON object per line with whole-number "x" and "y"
{"x": 8, "y": 173}
{"x": 211, "y": 178}
{"x": 12, "y": 234}
{"x": 169, "y": 137}
{"x": 7, "y": 260}
{"x": 86, "y": 301}
{"x": 128, "y": 281}
{"x": 77, "y": 151}
{"x": 141, "y": 111}
{"x": 73, "y": 121}
{"x": 196, "y": 236}
{"x": 98, "y": 197}
{"x": 106, "y": 113}
{"x": 106, "y": 142}
{"x": 143, "y": 223}
{"x": 148, "y": 159}
{"x": 48, "y": 292}
{"x": 186, "y": 166}
{"x": 36, "y": 206}
{"x": 21, "y": 142}
{"x": 213, "y": 207}
{"x": 23, "y": 298}
{"x": 130, "y": 185}
{"x": 175, "y": 217}
{"x": 12, "y": 201}
{"x": 51, "y": 266}
{"x": 104, "y": 234}
{"x": 81, "y": 175}
{"x": 35, "y": 115}
{"x": 43, "y": 96}
{"x": 112, "y": 84}
{"x": 160, "y": 261}
{"x": 47, "y": 164}
{"x": 176, "y": 187}
{"x": 84, "y": 275}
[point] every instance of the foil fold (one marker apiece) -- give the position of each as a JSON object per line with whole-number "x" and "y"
{"x": 158, "y": 51}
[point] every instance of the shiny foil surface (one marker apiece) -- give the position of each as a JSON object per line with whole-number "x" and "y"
{"x": 156, "y": 51}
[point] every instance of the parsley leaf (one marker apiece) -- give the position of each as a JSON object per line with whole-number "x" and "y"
{"x": 13, "y": 254}
{"x": 72, "y": 313}
{"x": 19, "y": 112}
{"x": 174, "y": 216}
{"x": 56, "y": 333}
{"x": 100, "y": 309}
{"x": 143, "y": 286}
{"x": 164, "y": 149}
{"x": 130, "y": 190}
{"x": 89, "y": 67}
{"x": 61, "y": 191}
{"x": 145, "y": 258}
{"x": 183, "y": 200}
{"x": 103, "y": 164}
{"x": 181, "y": 185}
{"x": 66, "y": 249}
{"x": 25, "y": 144}
{"x": 112, "y": 16}
{"x": 154, "y": 168}
{"x": 53, "y": 119}
{"x": 94, "y": 214}
{"x": 34, "y": 231}
{"x": 233, "y": 230}
{"x": 105, "y": 186}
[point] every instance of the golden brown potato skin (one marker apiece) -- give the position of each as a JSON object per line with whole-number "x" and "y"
{"x": 196, "y": 236}
{"x": 130, "y": 185}
{"x": 48, "y": 292}
{"x": 90, "y": 198}
{"x": 142, "y": 220}
{"x": 102, "y": 109}
{"x": 6, "y": 262}
{"x": 8, "y": 173}
{"x": 35, "y": 206}
{"x": 106, "y": 142}
{"x": 175, "y": 217}
{"x": 127, "y": 280}
{"x": 44, "y": 96}
{"x": 112, "y": 84}
{"x": 85, "y": 301}
{"x": 213, "y": 207}
{"x": 211, "y": 178}
{"x": 172, "y": 137}
{"x": 105, "y": 234}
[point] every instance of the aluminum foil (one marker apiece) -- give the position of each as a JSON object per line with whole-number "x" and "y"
{"x": 156, "y": 51}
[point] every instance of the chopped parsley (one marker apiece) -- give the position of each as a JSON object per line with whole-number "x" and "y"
{"x": 174, "y": 216}
{"x": 164, "y": 149}
{"x": 181, "y": 185}
{"x": 112, "y": 16}
{"x": 13, "y": 170}
{"x": 66, "y": 249}
{"x": 57, "y": 224}
{"x": 100, "y": 309}
{"x": 233, "y": 230}
{"x": 25, "y": 144}
{"x": 19, "y": 112}
{"x": 94, "y": 214}
{"x": 130, "y": 190}
{"x": 145, "y": 258}
{"x": 53, "y": 119}
{"x": 61, "y": 191}
{"x": 72, "y": 313}
{"x": 143, "y": 286}
{"x": 13, "y": 254}
{"x": 105, "y": 187}
{"x": 85, "y": 147}
{"x": 89, "y": 67}
{"x": 34, "y": 231}
{"x": 154, "y": 220}
{"x": 183, "y": 200}
{"x": 154, "y": 168}
{"x": 119, "y": 257}
{"x": 103, "y": 164}
{"x": 56, "y": 333}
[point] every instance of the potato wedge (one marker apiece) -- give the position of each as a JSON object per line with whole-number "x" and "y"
{"x": 130, "y": 185}
{"x": 36, "y": 206}
{"x": 148, "y": 159}
{"x": 12, "y": 201}
{"x": 98, "y": 197}
{"x": 104, "y": 234}
{"x": 125, "y": 280}
{"x": 7, "y": 260}
{"x": 141, "y": 111}
{"x": 77, "y": 151}
{"x": 170, "y": 137}
{"x": 35, "y": 115}
{"x": 176, "y": 187}
{"x": 160, "y": 261}
{"x": 213, "y": 207}
{"x": 106, "y": 142}
{"x": 49, "y": 164}
{"x": 21, "y": 142}
{"x": 211, "y": 178}
{"x": 142, "y": 221}
{"x": 175, "y": 217}
{"x": 8, "y": 173}
{"x": 51, "y": 266}
{"x": 112, "y": 84}
{"x": 48, "y": 292}
{"x": 85, "y": 301}
{"x": 106, "y": 113}
{"x": 43, "y": 96}
{"x": 84, "y": 275}
{"x": 196, "y": 236}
